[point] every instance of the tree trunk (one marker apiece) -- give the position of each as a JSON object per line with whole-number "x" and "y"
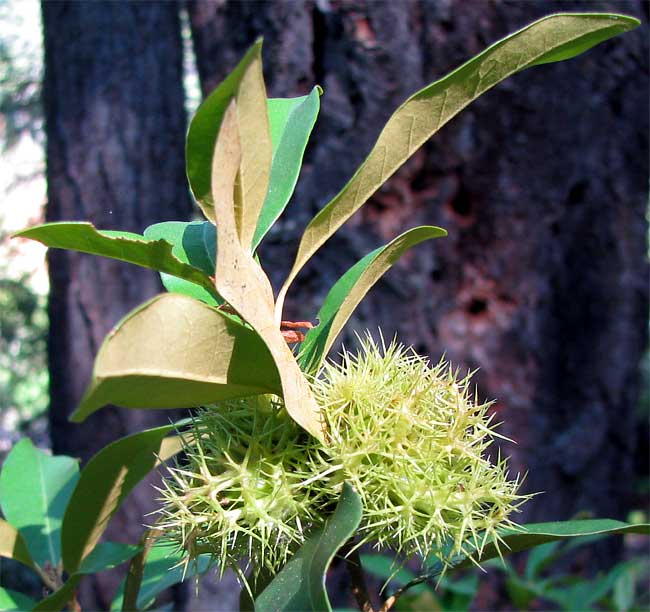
{"x": 115, "y": 120}
{"x": 542, "y": 185}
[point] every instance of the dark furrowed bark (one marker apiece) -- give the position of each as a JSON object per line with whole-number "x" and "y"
{"x": 114, "y": 106}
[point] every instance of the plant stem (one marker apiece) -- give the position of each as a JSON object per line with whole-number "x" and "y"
{"x": 357, "y": 577}
{"x": 136, "y": 567}
{"x": 392, "y": 600}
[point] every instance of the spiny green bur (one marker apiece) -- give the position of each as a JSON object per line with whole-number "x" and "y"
{"x": 413, "y": 441}
{"x": 408, "y": 436}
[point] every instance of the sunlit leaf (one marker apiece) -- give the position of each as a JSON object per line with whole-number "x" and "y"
{"x": 12, "y": 600}
{"x": 245, "y": 84}
{"x": 125, "y": 246}
{"x": 300, "y": 585}
{"x": 256, "y": 150}
{"x": 13, "y": 546}
{"x": 291, "y": 122}
{"x": 243, "y": 284}
{"x": 193, "y": 244}
{"x": 104, "y": 483}
{"x": 553, "y": 38}
{"x": 176, "y": 352}
{"x": 349, "y": 290}
{"x": 34, "y": 491}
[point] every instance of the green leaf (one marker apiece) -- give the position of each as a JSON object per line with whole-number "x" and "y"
{"x": 13, "y": 546}
{"x": 34, "y": 491}
{"x": 349, "y": 290}
{"x": 13, "y": 600}
{"x": 291, "y": 123}
{"x": 244, "y": 285}
{"x": 125, "y": 246}
{"x": 107, "y": 555}
{"x": 300, "y": 585}
{"x": 245, "y": 85}
{"x": 256, "y": 149}
{"x": 534, "y": 534}
{"x": 176, "y": 352}
{"x": 193, "y": 244}
{"x": 553, "y": 38}
{"x": 164, "y": 568}
{"x": 104, "y": 483}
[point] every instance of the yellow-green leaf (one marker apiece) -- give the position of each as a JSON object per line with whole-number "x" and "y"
{"x": 13, "y": 546}
{"x": 349, "y": 290}
{"x": 176, "y": 352}
{"x": 256, "y": 149}
{"x": 245, "y": 84}
{"x": 553, "y": 38}
{"x": 242, "y": 282}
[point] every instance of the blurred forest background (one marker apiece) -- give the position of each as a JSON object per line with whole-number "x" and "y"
{"x": 542, "y": 184}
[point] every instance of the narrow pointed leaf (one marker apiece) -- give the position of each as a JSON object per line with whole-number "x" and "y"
{"x": 245, "y": 84}
{"x": 193, "y": 244}
{"x": 301, "y": 583}
{"x": 553, "y": 38}
{"x": 13, "y": 600}
{"x": 34, "y": 491}
{"x": 125, "y": 246}
{"x": 13, "y": 546}
{"x": 535, "y": 534}
{"x": 176, "y": 352}
{"x": 349, "y": 290}
{"x": 256, "y": 149}
{"x": 243, "y": 284}
{"x": 291, "y": 123}
{"x": 104, "y": 483}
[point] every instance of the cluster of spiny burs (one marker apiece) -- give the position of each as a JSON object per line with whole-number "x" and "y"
{"x": 410, "y": 437}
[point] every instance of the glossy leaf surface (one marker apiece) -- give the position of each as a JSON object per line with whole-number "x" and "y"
{"x": 34, "y": 491}
{"x": 349, "y": 290}
{"x": 176, "y": 352}
{"x": 104, "y": 483}
{"x": 243, "y": 284}
{"x": 553, "y": 38}
{"x": 125, "y": 246}
{"x": 291, "y": 123}
{"x": 193, "y": 244}
{"x": 300, "y": 585}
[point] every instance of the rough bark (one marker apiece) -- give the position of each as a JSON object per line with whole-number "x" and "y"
{"x": 114, "y": 106}
{"x": 542, "y": 184}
